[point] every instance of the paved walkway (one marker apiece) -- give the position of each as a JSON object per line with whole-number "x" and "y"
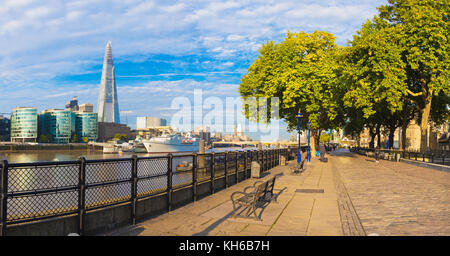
{"x": 395, "y": 198}
{"x": 359, "y": 197}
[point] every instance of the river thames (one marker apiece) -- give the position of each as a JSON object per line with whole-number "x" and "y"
{"x": 66, "y": 155}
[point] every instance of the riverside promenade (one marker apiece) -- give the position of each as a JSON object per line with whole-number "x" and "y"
{"x": 350, "y": 195}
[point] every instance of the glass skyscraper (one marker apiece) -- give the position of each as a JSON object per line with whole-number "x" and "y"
{"x": 56, "y": 125}
{"x": 24, "y": 124}
{"x": 86, "y": 126}
{"x": 108, "y": 105}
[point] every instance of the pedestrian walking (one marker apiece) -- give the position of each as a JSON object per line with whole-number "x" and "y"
{"x": 377, "y": 153}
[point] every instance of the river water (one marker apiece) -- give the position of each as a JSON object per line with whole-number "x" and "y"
{"x": 63, "y": 155}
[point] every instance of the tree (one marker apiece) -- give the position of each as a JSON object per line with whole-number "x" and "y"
{"x": 44, "y": 138}
{"x": 374, "y": 72}
{"x": 74, "y": 138}
{"x": 119, "y": 136}
{"x": 302, "y": 71}
{"x": 325, "y": 138}
{"x": 423, "y": 27}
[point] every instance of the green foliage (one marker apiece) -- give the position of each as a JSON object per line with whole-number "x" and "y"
{"x": 74, "y": 138}
{"x": 119, "y": 136}
{"x": 395, "y": 70}
{"x": 44, "y": 138}
{"x": 374, "y": 73}
{"x": 325, "y": 138}
{"x": 302, "y": 71}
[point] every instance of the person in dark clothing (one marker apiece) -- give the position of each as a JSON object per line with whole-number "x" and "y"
{"x": 377, "y": 153}
{"x": 322, "y": 152}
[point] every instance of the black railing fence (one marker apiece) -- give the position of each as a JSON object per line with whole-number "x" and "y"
{"x": 43, "y": 190}
{"x": 437, "y": 156}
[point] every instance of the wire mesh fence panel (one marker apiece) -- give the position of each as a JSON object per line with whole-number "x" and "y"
{"x": 32, "y": 191}
{"x": 152, "y": 176}
{"x": 241, "y": 161}
{"x": 151, "y": 185}
{"x": 203, "y": 167}
{"x": 182, "y": 170}
{"x": 231, "y": 163}
{"x": 152, "y": 167}
{"x": 101, "y": 172}
{"x": 35, "y": 206}
{"x": 107, "y": 194}
{"x": 219, "y": 168}
{"x": 32, "y": 178}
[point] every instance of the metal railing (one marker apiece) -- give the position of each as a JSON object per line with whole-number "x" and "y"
{"x": 437, "y": 156}
{"x": 42, "y": 190}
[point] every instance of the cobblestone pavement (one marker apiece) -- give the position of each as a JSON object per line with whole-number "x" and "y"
{"x": 395, "y": 198}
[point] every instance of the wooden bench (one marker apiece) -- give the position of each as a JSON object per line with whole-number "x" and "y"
{"x": 268, "y": 191}
{"x": 300, "y": 169}
{"x": 261, "y": 191}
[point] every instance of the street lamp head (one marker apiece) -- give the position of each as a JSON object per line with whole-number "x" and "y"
{"x": 308, "y": 124}
{"x": 299, "y": 114}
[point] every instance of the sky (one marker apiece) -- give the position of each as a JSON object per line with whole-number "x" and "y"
{"x": 53, "y": 50}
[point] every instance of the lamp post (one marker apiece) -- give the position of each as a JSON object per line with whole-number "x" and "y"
{"x": 308, "y": 156}
{"x": 299, "y": 153}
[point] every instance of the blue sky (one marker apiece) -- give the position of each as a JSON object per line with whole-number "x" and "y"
{"x": 53, "y": 50}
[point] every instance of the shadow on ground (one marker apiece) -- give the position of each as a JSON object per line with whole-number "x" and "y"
{"x": 239, "y": 210}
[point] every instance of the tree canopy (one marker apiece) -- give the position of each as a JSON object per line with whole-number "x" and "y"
{"x": 395, "y": 69}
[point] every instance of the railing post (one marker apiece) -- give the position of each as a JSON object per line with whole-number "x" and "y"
{"x": 3, "y": 196}
{"x": 264, "y": 160}
{"x": 169, "y": 181}
{"x": 237, "y": 166}
{"x": 226, "y": 169}
{"x": 81, "y": 195}
{"x": 133, "y": 199}
{"x": 245, "y": 164}
{"x": 194, "y": 176}
{"x": 213, "y": 173}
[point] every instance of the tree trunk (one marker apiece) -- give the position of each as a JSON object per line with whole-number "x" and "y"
{"x": 312, "y": 143}
{"x": 378, "y": 135}
{"x": 424, "y": 122}
{"x": 391, "y": 137}
{"x": 403, "y": 140}
{"x": 372, "y": 138}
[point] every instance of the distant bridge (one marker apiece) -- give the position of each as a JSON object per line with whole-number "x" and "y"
{"x": 242, "y": 144}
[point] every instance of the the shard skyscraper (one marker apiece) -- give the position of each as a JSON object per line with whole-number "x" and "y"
{"x": 108, "y": 106}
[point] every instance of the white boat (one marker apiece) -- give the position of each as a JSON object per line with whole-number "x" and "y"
{"x": 171, "y": 143}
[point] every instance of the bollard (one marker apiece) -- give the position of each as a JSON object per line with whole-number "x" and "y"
{"x": 201, "y": 156}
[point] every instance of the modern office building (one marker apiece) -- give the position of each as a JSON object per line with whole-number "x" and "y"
{"x": 24, "y": 124}
{"x": 5, "y": 128}
{"x": 56, "y": 126}
{"x": 86, "y": 126}
{"x": 108, "y": 105}
{"x": 86, "y": 108}
{"x": 150, "y": 122}
{"x": 72, "y": 105}
{"x": 106, "y": 131}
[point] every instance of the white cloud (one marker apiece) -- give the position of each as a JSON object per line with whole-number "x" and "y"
{"x": 42, "y": 40}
